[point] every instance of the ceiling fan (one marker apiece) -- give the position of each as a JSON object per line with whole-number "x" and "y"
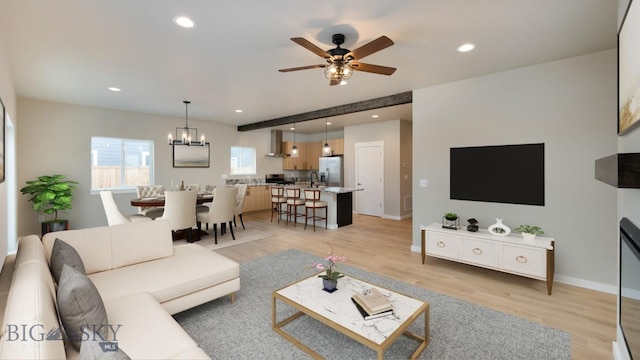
{"x": 342, "y": 62}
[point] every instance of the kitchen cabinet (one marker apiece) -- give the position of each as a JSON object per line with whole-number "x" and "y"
{"x": 314, "y": 152}
{"x": 257, "y": 198}
{"x": 337, "y": 146}
{"x": 292, "y": 163}
{"x": 308, "y": 154}
{"x": 510, "y": 254}
{"x": 288, "y": 162}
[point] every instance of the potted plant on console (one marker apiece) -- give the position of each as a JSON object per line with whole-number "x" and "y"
{"x": 450, "y": 221}
{"x": 51, "y": 194}
{"x": 529, "y": 232}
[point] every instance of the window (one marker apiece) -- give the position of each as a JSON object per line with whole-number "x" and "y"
{"x": 243, "y": 160}
{"x": 120, "y": 163}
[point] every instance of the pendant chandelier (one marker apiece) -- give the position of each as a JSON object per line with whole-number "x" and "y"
{"x": 326, "y": 149}
{"x": 294, "y": 149}
{"x": 187, "y": 135}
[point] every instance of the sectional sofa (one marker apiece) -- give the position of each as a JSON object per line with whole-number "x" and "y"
{"x": 141, "y": 278}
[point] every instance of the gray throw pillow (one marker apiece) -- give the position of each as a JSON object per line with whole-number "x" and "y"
{"x": 80, "y": 306}
{"x": 63, "y": 253}
{"x": 93, "y": 348}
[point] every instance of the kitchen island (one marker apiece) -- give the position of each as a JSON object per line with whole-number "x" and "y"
{"x": 339, "y": 205}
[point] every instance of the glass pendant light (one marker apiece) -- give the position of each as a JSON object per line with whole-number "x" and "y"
{"x": 294, "y": 149}
{"x": 326, "y": 149}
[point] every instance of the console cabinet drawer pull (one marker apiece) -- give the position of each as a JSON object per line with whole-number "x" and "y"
{"x": 477, "y": 251}
{"x": 441, "y": 244}
{"x": 521, "y": 259}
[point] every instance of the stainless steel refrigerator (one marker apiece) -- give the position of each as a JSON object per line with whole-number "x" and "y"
{"x": 331, "y": 170}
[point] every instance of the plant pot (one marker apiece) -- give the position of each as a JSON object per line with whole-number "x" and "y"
{"x": 529, "y": 238}
{"x": 54, "y": 225}
{"x": 448, "y": 223}
{"x": 329, "y": 286}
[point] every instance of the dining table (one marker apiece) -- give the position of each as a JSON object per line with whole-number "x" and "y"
{"x": 159, "y": 201}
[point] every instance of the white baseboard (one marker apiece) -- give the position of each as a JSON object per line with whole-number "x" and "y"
{"x": 587, "y": 284}
{"x": 616, "y": 351}
{"x": 395, "y": 217}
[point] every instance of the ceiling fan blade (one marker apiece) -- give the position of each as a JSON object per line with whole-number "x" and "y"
{"x": 376, "y": 45}
{"x": 311, "y": 47}
{"x": 302, "y": 68}
{"x": 376, "y": 69}
{"x": 335, "y": 82}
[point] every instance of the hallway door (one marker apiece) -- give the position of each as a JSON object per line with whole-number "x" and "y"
{"x": 370, "y": 176}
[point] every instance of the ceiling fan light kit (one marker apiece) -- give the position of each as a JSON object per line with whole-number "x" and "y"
{"x": 341, "y": 63}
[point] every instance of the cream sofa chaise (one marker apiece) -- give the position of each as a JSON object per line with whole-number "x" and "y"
{"x": 142, "y": 279}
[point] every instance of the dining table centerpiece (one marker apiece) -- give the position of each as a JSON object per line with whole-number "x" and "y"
{"x": 331, "y": 275}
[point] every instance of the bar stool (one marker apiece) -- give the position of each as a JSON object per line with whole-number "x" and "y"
{"x": 293, "y": 201}
{"x": 313, "y": 202}
{"x": 277, "y": 200}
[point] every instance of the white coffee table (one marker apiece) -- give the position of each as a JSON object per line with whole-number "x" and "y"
{"x": 337, "y": 311}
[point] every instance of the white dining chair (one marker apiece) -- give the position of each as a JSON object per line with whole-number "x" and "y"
{"x": 180, "y": 211}
{"x": 221, "y": 210}
{"x": 242, "y": 191}
{"x": 114, "y": 215}
{"x": 144, "y": 191}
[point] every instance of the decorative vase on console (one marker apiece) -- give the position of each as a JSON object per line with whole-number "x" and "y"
{"x": 473, "y": 225}
{"x": 499, "y": 228}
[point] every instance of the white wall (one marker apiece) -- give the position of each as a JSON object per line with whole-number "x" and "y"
{"x": 389, "y": 133}
{"x": 7, "y": 94}
{"x": 58, "y": 142}
{"x": 570, "y": 105}
{"x": 405, "y": 166}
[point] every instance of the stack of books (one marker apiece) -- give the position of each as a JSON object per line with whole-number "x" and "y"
{"x": 372, "y": 304}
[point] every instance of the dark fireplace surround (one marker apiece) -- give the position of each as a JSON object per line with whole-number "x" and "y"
{"x": 629, "y": 287}
{"x": 622, "y": 171}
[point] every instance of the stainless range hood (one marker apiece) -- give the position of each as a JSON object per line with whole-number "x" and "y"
{"x": 276, "y": 144}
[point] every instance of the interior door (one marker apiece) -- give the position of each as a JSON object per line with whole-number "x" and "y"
{"x": 370, "y": 176}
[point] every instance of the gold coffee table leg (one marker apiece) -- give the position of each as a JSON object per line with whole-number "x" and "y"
{"x": 424, "y": 341}
{"x": 277, "y": 327}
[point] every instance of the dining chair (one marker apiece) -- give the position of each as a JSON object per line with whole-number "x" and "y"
{"x": 180, "y": 211}
{"x": 293, "y": 201}
{"x": 313, "y": 202}
{"x": 114, "y": 215}
{"x": 242, "y": 191}
{"x": 150, "y": 191}
{"x": 278, "y": 198}
{"x": 221, "y": 210}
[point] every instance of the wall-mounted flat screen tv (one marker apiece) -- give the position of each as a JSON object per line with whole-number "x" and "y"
{"x": 512, "y": 174}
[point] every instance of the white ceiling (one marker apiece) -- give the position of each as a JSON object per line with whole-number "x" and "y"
{"x": 71, "y": 50}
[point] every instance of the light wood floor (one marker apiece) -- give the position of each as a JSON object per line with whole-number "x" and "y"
{"x": 383, "y": 246}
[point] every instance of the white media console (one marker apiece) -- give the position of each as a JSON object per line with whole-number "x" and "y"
{"x": 510, "y": 254}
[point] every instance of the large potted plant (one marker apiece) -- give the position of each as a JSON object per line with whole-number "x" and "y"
{"x": 50, "y": 194}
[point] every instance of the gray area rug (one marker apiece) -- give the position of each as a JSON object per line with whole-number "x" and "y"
{"x": 459, "y": 330}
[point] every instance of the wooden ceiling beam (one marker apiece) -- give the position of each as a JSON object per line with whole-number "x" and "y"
{"x": 391, "y": 100}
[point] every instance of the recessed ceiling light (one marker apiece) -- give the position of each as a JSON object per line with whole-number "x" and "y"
{"x": 239, "y": 110}
{"x": 328, "y": 123}
{"x": 114, "y": 89}
{"x": 292, "y": 128}
{"x": 375, "y": 116}
{"x": 184, "y": 22}
{"x": 466, "y": 47}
